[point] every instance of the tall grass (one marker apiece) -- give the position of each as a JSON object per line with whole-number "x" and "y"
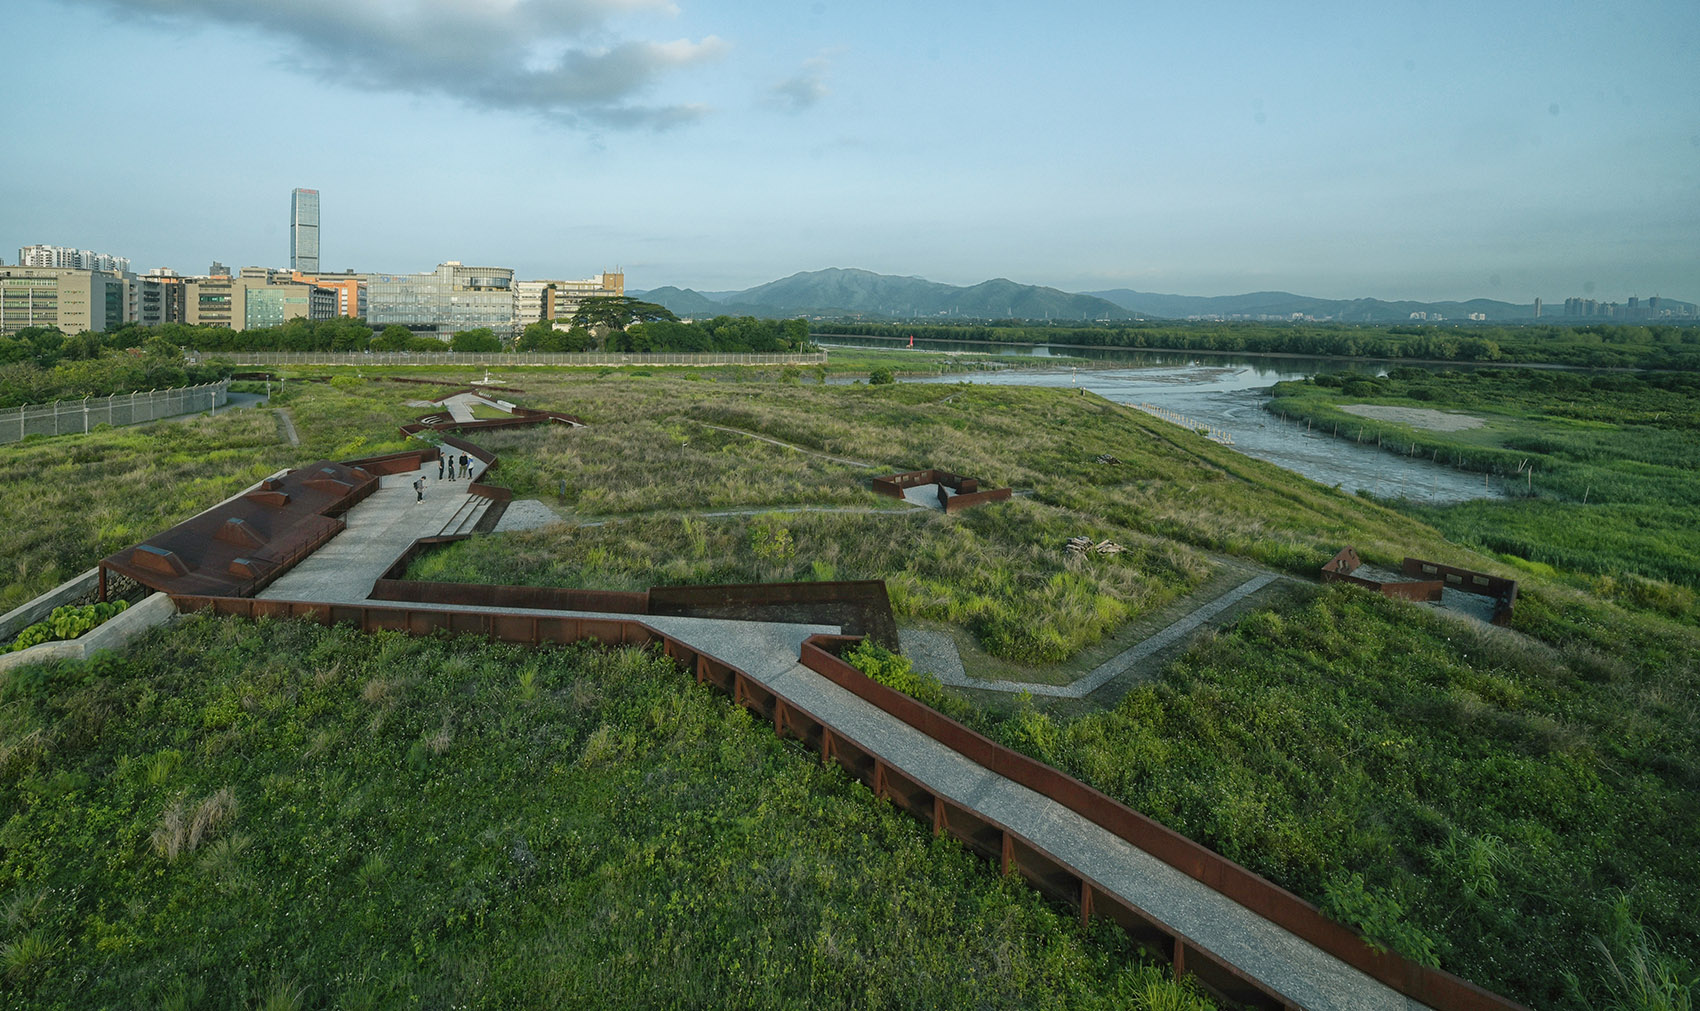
{"x": 619, "y": 837}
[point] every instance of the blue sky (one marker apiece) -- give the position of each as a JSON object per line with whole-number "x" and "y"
{"x": 1411, "y": 150}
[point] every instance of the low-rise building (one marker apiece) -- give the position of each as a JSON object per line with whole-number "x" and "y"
{"x": 447, "y": 301}
{"x": 256, "y": 298}
{"x": 65, "y": 297}
{"x": 350, "y": 290}
{"x": 556, "y": 301}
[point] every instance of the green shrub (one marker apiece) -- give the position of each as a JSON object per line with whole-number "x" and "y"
{"x": 67, "y": 622}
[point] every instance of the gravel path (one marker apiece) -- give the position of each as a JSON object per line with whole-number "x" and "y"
{"x": 801, "y": 449}
{"x": 939, "y": 650}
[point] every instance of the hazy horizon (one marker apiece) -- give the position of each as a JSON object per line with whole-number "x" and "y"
{"x": 1440, "y": 153}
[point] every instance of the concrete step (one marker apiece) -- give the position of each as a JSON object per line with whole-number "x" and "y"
{"x": 466, "y": 517}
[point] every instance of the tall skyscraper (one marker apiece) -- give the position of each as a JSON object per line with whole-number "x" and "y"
{"x": 304, "y": 231}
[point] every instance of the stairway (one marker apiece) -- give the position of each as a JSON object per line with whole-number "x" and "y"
{"x": 466, "y": 517}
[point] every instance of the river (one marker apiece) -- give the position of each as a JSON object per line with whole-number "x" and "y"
{"x": 1226, "y": 394}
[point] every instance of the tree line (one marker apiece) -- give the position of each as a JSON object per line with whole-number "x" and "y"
{"x": 1600, "y": 346}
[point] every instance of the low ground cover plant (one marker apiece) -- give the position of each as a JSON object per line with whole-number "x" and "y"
{"x": 235, "y": 813}
{"x": 70, "y": 621}
{"x": 1604, "y": 471}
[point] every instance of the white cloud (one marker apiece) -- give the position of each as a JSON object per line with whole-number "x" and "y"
{"x": 804, "y": 90}
{"x": 559, "y": 58}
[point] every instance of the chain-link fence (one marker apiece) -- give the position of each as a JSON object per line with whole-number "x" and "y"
{"x": 505, "y": 359}
{"x": 63, "y": 417}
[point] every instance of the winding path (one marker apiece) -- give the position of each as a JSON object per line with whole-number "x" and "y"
{"x": 948, "y": 664}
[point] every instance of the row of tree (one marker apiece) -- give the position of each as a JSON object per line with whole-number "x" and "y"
{"x": 1654, "y": 346}
{"x": 614, "y": 324}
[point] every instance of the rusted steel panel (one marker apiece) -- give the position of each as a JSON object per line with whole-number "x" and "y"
{"x": 1144, "y": 929}
{"x": 909, "y": 794}
{"x": 1046, "y": 874}
{"x": 1344, "y": 563}
{"x": 957, "y": 503}
{"x": 1226, "y": 983}
{"x": 854, "y": 760}
{"x": 1435, "y": 987}
{"x": 514, "y": 628}
{"x": 610, "y": 632}
{"x": 979, "y": 834}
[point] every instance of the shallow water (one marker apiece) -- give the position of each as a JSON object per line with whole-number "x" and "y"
{"x": 1228, "y": 394}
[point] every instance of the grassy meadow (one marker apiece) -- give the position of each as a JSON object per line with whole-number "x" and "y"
{"x": 276, "y": 815}
{"x": 1604, "y": 471}
{"x": 71, "y": 500}
{"x": 1471, "y": 797}
{"x": 1491, "y": 800}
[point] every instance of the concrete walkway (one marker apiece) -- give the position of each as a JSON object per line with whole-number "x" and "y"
{"x": 459, "y": 406}
{"x": 378, "y": 530}
{"x": 940, "y": 650}
{"x": 1303, "y": 974}
{"x": 384, "y": 524}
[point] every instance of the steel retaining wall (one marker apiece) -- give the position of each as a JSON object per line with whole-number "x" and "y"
{"x": 1048, "y": 873}
{"x": 985, "y": 836}
{"x": 1435, "y": 987}
{"x": 863, "y": 602}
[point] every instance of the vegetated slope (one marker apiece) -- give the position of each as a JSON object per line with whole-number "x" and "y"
{"x": 1605, "y": 469}
{"x": 1001, "y": 572}
{"x": 73, "y": 499}
{"x": 1461, "y": 794}
{"x": 1479, "y": 797}
{"x": 237, "y": 814}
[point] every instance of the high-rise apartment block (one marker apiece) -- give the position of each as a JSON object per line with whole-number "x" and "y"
{"x": 71, "y": 299}
{"x": 74, "y": 259}
{"x": 304, "y": 231}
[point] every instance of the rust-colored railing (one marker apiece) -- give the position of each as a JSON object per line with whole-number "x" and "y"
{"x": 1436, "y": 988}
{"x": 1050, "y": 874}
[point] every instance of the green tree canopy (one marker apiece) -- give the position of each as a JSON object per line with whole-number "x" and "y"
{"x": 616, "y": 312}
{"x": 481, "y": 339}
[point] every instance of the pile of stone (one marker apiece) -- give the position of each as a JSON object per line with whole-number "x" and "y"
{"x": 1084, "y": 546}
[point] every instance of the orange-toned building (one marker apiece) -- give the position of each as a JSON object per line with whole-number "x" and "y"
{"x": 350, "y": 291}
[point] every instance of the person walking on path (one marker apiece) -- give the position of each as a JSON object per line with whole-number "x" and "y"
{"x": 439, "y": 466}
{"x": 419, "y": 489}
{"x": 464, "y": 466}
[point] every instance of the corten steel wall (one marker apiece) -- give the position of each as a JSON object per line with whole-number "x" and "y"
{"x": 988, "y": 837}
{"x": 69, "y": 417}
{"x": 1470, "y": 581}
{"x": 541, "y": 598}
{"x": 858, "y": 606}
{"x": 956, "y": 503}
{"x": 1437, "y": 988}
{"x": 861, "y": 607}
{"x": 1339, "y": 570}
{"x": 968, "y": 493}
{"x": 394, "y": 463}
{"x": 1344, "y": 563}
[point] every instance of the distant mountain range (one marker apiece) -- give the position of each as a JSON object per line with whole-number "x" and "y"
{"x": 851, "y": 293}
{"x": 848, "y": 293}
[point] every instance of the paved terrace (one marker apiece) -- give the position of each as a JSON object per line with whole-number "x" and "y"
{"x": 385, "y": 524}
{"x": 378, "y": 531}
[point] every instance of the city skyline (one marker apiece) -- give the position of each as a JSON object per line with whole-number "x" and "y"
{"x": 1447, "y": 153}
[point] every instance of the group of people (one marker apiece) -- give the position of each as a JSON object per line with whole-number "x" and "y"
{"x": 445, "y": 462}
